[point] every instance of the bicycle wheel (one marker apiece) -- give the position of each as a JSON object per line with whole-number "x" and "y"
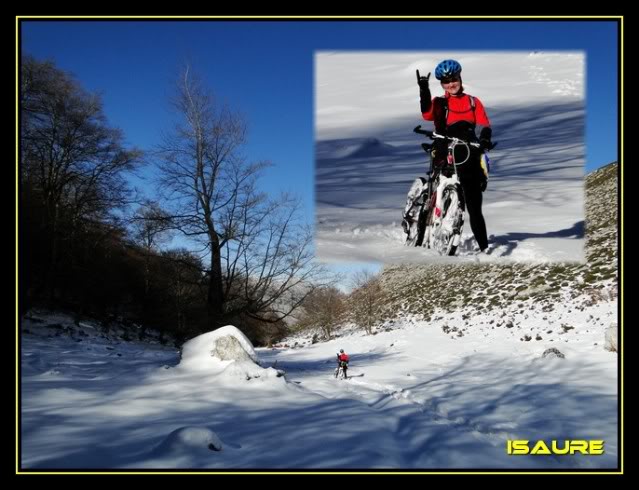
{"x": 414, "y": 216}
{"x": 445, "y": 232}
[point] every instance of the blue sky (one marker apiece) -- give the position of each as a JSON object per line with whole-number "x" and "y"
{"x": 265, "y": 70}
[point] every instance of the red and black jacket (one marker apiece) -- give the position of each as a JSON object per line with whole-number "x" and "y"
{"x": 449, "y": 109}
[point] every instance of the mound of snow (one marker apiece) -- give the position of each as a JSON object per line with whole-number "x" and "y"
{"x": 186, "y": 440}
{"x": 224, "y": 344}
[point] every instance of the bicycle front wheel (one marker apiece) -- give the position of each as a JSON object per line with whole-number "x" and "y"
{"x": 445, "y": 230}
{"x": 416, "y": 222}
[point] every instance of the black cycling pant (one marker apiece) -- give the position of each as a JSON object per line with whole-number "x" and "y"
{"x": 473, "y": 198}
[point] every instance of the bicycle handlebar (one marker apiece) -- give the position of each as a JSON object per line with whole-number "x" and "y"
{"x": 433, "y": 135}
{"x": 419, "y": 130}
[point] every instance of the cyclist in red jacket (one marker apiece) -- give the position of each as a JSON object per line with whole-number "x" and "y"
{"x": 342, "y": 361}
{"x": 456, "y": 114}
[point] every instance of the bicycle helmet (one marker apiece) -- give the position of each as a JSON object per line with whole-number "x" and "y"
{"x": 341, "y": 351}
{"x": 447, "y": 68}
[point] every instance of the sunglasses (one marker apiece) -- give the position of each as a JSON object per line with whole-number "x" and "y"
{"x": 450, "y": 80}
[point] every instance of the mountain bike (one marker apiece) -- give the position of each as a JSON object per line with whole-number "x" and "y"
{"x": 434, "y": 212}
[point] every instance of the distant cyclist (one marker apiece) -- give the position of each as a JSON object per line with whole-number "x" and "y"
{"x": 456, "y": 114}
{"x": 342, "y": 362}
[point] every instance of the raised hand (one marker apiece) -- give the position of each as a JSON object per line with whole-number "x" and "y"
{"x": 423, "y": 81}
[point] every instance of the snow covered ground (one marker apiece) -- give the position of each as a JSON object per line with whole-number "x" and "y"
{"x": 367, "y": 155}
{"x": 443, "y": 394}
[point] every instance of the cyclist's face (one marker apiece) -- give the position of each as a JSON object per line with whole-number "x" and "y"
{"x": 452, "y": 85}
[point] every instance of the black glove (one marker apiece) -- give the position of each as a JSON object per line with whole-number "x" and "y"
{"x": 485, "y": 140}
{"x": 423, "y": 82}
{"x": 425, "y": 99}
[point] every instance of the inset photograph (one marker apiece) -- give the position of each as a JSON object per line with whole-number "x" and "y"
{"x": 449, "y": 156}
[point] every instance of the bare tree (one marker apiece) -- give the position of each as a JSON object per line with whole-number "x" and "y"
{"x": 367, "y": 300}
{"x": 325, "y": 308}
{"x": 259, "y": 259}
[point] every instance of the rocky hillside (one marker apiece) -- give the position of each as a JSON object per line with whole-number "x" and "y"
{"x": 426, "y": 290}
